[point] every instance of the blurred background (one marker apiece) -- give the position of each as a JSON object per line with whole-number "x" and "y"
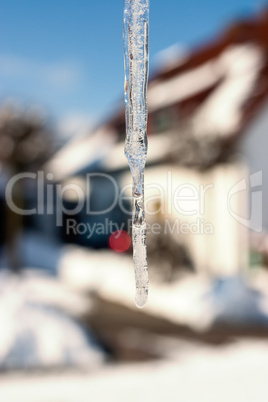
{"x": 70, "y": 329}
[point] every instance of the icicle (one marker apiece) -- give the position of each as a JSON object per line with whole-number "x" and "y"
{"x": 136, "y": 19}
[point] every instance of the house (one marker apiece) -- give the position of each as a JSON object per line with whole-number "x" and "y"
{"x": 206, "y": 172}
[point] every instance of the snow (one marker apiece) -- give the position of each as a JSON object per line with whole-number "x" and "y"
{"x": 191, "y": 373}
{"x": 36, "y": 329}
{"x": 221, "y": 113}
{"x": 161, "y": 95}
{"x": 194, "y": 301}
{"x": 80, "y": 153}
{"x": 237, "y": 67}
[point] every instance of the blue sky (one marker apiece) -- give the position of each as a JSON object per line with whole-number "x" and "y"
{"x": 66, "y": 55}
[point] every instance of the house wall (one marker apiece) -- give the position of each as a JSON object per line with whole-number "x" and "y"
{"x": 254, "y": 148}
{"x": 200, "y": 211}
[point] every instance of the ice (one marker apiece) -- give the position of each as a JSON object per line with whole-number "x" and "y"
{"x": 136, "y": 19}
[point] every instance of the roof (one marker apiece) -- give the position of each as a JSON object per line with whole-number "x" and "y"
{"x": 234, "y": 65}
{"x": 214, "y": 92}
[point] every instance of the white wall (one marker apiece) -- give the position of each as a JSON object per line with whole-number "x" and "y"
{"x": 254, "y": 148}
{"x": 216, "y": 240}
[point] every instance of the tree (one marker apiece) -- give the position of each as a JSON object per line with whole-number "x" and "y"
{"x": 25, "y": 145}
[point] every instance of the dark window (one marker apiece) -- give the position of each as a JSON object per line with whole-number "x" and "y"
{"x": 163, "y": 120}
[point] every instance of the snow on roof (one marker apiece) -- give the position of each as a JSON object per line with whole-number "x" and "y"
{"x": 171, "y": 56}
{"x": 177, "y": 88}
{"x": 79, "y": 153}
{"x": 219, "y": 80}
{"x": 235, "y": 71}
{"x": 221, "y": 113}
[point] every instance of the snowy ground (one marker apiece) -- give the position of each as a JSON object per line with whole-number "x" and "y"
{"x": 192, "y": 373}
{"x": 186, "y": 372}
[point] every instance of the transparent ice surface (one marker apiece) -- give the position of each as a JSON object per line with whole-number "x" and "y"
{"x": 136, "y": 19}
